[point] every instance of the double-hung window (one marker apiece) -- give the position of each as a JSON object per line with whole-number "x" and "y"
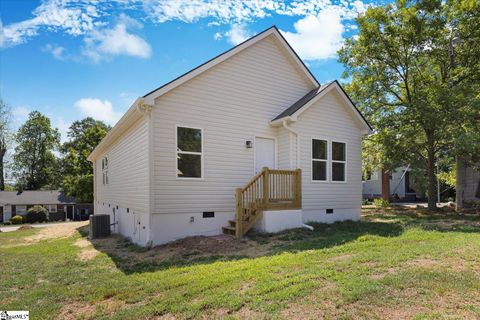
{"x": 339, "y": 161}
{"x": 105, "y": 170}
{"x": 319, "y": 160}
{"x": 329, "y": 161}
{"x": 189, "y": 152}
{"x": 21, "y": 210}
{"x": 52, "y": 208}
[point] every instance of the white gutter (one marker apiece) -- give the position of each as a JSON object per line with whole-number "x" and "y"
{"x": 284, "y": 124}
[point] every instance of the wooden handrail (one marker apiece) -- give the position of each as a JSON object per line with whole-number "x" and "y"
{"x": 269, "y": 189}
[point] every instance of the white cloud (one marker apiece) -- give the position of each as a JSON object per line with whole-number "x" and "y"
{"x": 237, "y": 34}
{"x": 317, "y": 37}
{"x": 74, "y": 18}
{"x": 58, "y": 52}
{"x": 221, "y": 11}
{"x": 20, "y": 115}
{"x": 88, "y": 19}
{"x": 98, "y": 109}
{"x": 105, "y": 43}
{"x": 63, "y": 128}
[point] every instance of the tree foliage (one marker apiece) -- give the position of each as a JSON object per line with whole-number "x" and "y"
{"x": 35, "y": 165}
{"x": 415, "y": 73}
{"x": 84, "y": 135}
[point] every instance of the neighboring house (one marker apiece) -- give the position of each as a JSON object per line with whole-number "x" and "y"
{"x": 59, "y": 206}
{"x": 401, "y": 185}
{"x": 188, "y": 158}
{"x": 468, "y": 183}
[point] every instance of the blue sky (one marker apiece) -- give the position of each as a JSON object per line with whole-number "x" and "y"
{"x": 72, "y": 59}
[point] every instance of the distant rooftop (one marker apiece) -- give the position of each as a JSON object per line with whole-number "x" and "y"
{"x": 34, "y": 197}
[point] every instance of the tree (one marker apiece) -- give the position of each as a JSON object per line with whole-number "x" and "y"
{"x": 415, "y": 74}
{"x": 35, "y": 165}
{"x": 5, "y": 137}
{"x": 84, "y": 135}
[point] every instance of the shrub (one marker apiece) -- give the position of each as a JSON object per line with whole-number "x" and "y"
{"x": 16, "y": 220}
{"x": 36, "y": 214}
{"x": 381, "y": 203}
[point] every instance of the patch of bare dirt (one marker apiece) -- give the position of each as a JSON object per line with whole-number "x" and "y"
{"x": 75, "y": 310}
{"x": 84, "y": 310}
{"x": 25, "y": 227}
{"x": 55, "y": 231}
{"x": 187, "y": 248}
{"x": 424, "y": 263}
{"x": 87, "y": 252}
{"x": 48, "y": 232}
{"x": 342, "y": 257}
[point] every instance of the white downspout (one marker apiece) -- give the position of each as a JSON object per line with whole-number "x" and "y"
{"x": 284, "y": 124}
{"x": 144, "y": 108}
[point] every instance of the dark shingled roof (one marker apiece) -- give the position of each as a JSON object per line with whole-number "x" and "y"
{"x": 34, "y": 197}
{"x": 303, "y": 101}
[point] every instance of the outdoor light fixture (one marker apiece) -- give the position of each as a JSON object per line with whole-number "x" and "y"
{"x": 249, "y": 144}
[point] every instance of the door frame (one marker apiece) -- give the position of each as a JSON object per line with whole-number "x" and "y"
{"x": 275, "y": 151}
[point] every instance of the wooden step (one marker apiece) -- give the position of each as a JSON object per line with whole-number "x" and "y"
{"x": 229, "y": 230}
{"x": 232, "y": 223}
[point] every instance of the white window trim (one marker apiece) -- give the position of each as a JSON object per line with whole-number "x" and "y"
{"x": 339, "y": 161}
{"x": 48, "y": 206}
{"x": 105, "y": 170}
{"x": 320, "y": 160}
{"x": 17, "y": 213}
{"x": 201, "y": 154}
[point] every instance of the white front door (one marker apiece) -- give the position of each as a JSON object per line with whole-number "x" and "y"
{"x": 264, "y": 153}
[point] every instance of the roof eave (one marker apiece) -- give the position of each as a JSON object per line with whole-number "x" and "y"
{"x": 131, "y": 116}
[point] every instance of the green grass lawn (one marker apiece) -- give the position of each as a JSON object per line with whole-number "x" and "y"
{"x": 393, "y": 264}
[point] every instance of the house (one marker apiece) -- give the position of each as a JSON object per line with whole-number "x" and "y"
{"x": 402, "y": 186}
{"x": 59, "y": 206}
{"x": 249, "y": 138}
{"x": 468, "y": 183}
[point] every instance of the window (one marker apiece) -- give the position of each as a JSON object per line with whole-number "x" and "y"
{"x": 52, "y": 208}
{"x": 105, "y": 170}
{"x": 21, "y": 210}
{"x": 339, "y": 161}
{"x": 319, "y": 160}
{"x": 189, "y": 152}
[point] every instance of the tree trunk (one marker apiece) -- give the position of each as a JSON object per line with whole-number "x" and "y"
{"x": 2, "y": 173}
{"x": 385, "y": 185}
{"x": 432, "y": 181}
{"x": 459, "y": 183}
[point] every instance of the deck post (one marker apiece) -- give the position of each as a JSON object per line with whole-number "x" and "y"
{"x": 239, "y": 214}
{"x": 298, "y": 188}
{"x": 266, "y": 187}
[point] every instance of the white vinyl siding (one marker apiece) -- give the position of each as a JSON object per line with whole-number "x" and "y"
{"x": 234, "y": 102}
{"x": 330, "y": 119}
{"x": 284, "y": 148}
{"x": 128, "y": 182}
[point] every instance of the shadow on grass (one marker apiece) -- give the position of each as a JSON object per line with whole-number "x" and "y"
{"x": 131, "y": 258}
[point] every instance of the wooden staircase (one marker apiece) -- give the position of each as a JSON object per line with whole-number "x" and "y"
{"x": 270, "y": 189}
